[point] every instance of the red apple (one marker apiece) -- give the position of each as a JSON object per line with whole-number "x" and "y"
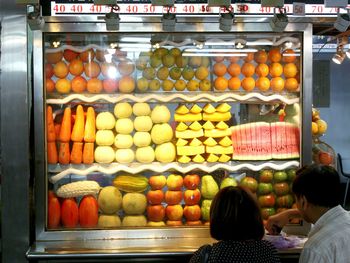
{"x": 173, "y": 197}
{"x": 155, "y": 213}
{"x": 155, "y": 197}
{"x": 192, "y": 212}
{"x": 192, "y": 197}
{"x": 250, "y": 183}
{"x": 191, "y": 181}
{"x": 174, "y": 223}
{"x": 174, "y": 182}
{"x": 267, "y": 200}
{"x": 157, "y": 182}
{"x": 174, "y": 212}
{"x": 194, "y": 223}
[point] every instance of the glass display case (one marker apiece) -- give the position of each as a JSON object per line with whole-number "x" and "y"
{"x": 136, "y": 132}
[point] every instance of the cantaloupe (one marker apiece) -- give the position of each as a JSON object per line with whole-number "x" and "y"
{"x": 134, "y": 203}
{"x": 109, "y": 200}
{"x": 108, "y": 221}
{"x": 134, "y": 221}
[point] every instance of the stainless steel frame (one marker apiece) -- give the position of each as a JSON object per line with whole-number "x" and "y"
{"x": 123, "y": 239}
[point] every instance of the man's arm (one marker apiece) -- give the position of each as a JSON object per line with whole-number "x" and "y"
{"x": 280, "y": 220}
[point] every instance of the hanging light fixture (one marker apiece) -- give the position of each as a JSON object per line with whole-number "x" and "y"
{"x": 279, "y": 21}
{"x": 338, "y": 57}
{"x": 343, "y": 22}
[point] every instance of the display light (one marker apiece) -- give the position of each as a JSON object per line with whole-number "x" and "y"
{"x": 279, "y": 21}
{"x": 343, "y": 22}
{"x": 338, "y": 57}
{"x": 112, "y": 19}
{"x": 35, "y": 20}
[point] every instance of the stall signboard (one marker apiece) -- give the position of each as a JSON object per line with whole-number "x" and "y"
{"x": 187, "y": 7}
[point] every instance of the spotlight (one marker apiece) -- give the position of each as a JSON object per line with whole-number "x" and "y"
{"x": 35, "y": 20}
{"x": 342, "y": 23}
{"x": 169, "y": 21}
{"x": 338, "y": 57}
{"x": 279, "y": 21}
{"x": 112, "y": 19}
{"x": 226, "y": 21}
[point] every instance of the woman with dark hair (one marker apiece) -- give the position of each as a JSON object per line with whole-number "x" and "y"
{"x": 235, "y": 221}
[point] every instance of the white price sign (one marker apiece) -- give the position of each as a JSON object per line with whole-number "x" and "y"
{"x": 298, "y": 9}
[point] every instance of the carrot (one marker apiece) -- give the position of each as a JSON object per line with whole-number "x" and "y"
{"x": 51, "y": 135}
{"x": 76, "y": 156}
{"x": 78, "y": 128}
{"x": 88, "y": 153}
{"x": 66, "y": 125}
{"x": 64, "y": 154}
{"x": 90, "y": 126}
{"x": 57, "y": 129}
{"x": 52, "y": 156}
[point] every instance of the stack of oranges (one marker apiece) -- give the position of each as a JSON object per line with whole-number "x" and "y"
{"x": 265, "y": 70}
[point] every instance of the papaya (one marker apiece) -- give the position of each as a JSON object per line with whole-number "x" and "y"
{"x": 131, "y": 183}
{"x": 69, "y": 213}
{"x": 54, "y": 211}
{"x": 88, "y": 211}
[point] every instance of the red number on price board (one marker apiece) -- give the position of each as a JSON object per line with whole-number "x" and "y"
{"x": 169, "y": 9}
{"x": 242, "y": 8}
{"x": 206, "y": 8}
{"x": 149, "y": 9}
{"x": 59, "y": 8}
{"x": 76, "y": 8}
{"x": 334, "y": 10}
{"x": 265, "y": 9}
{"x": 188, "y": 8}
{"x": 226, "y": 9}
{"x": 96, "y": 8}
{"x": 317, "y": 9}
{"x": 132, "y": 9}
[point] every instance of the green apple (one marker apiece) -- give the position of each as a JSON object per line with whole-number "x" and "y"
{"x": 280, "y": 176}
{"x": 250, "y": 183}
{"x": 228, "y": 181}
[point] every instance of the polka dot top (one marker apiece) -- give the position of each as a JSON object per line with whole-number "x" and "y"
{"x": 252, "y": 251}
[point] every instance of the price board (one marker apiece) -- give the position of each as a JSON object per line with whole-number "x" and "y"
{"x": 188, "y": 7}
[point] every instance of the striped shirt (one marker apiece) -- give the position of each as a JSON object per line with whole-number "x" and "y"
{"x": 329, "y": 239}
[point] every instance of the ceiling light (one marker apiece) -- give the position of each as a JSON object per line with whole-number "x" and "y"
{"x": 342, "y": 23}
{"x": 226, "y": 21}
{"x": 279, "y": 21}
{"x": 338, "y": 57}
{"x": 56, "y": 44}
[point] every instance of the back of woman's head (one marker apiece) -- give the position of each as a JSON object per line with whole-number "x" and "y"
{"x": 235, "y": 215}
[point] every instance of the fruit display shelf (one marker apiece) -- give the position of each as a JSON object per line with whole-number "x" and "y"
{"x": 252, "y": 97}
{"x": 62, "y": 171}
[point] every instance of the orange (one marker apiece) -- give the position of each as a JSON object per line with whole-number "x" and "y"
{"x": 234, "y": 59}
{"x": 262, "y": 70}
{"x": 234, "y": 69}
{"x": 291, "y": 84}
{"x": 126, "y": 84}
{"x": 78, "y": 84}
{"x": 110, "y": 85}
{"x": 263, "y": 83}
{"x": 87, "y": 55}
{"x": 219, "y": 69}
{"x": 92, "y": 69}
{"x": 314, "y": 128}
{"x": 277, "y": 84}
{"x": 234, "y": 83}
{"x": 109, "y": 70}
{"x": 48, "y": 70}
{"x": 290, "y": 70}
{"x": 249, "y": 57}
{"x": 260, "y": 56}
{"x": 69, "y": 55}
{"x": 288, "y": 56}
{"x": 100, "y": 55}
{"x": 60, "y": 70}
{"x": 219, "y": 59}
{"x": 248, "y": 84}
{"x": 221, "y": 83}
{"x": 201, "y": 73}
{"x": 53, "y": 58}
{"x": 76, "y": 67}
{"x": 50, "y": 85}
{"x": 275, "y": 55}
{"x": 248, "y": 69}
{"x": 276, "y": 70}
{"x": 126, "y": 67}
{"x": 94, "y": 85}
{"x": 63, "y": 86}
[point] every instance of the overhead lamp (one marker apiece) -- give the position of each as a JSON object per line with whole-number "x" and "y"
{"x": 169, "y": 21}
{"x": 112, "y": 19}
{"x": 34, "y": 18}
{"x": 343, "y": 22}
{"x": 226, "y": 21}
{"x": 338, "y": 57}
{"x": 279, "y": 21}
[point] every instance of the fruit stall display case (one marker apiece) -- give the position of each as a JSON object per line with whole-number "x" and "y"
{"x": 135, "y": 137}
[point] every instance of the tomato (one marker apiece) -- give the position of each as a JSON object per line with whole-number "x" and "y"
{"x": 250, "y": 183}
{"x": 281, "y": 188}
{"x": 285, "y": 201}
{"x": 69, "y": 213}
{"x": 266, "y": 176}
{"x": 54, "y": 211}
{"x": 280, "y": 176}
{"x": 264, "y": 188}
{"x": 267, "y": 200}
{"x": 88, "y": 211}
{"x": 267, "y": 212}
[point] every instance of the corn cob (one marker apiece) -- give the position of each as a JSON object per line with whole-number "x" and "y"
{"x": 79, "y": 188}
